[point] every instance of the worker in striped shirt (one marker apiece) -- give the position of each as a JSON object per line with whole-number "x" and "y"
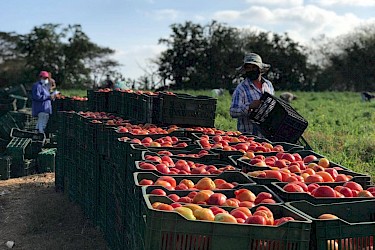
{"x": 246, "y": 96}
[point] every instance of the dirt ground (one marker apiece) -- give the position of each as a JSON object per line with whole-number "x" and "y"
{"x": 35, "y": 216}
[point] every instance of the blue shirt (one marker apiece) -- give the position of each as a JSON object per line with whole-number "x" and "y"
{"x": 41, "y": 99}
{"x": 242, "y": 97}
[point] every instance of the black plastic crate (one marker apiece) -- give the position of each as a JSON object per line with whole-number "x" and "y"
{"x": 278, "y": 120}
{"x": 79, "y": 105}
{"x": 187, "y": 110}
{"x": 100, "y": 100}
{"x": 146, "y": 106}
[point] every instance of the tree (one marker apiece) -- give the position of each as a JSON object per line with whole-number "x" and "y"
{"x": 67, "y": 52}
{"x": 185, "y": 45}
{"x": 351, "y": 66}
{"x": 222, "y": 55}
{"x": 289, "y": 64}
{"x": 10, "y": 60}
{"x": 200, "y": 56}
{"x": 207, "y": 56}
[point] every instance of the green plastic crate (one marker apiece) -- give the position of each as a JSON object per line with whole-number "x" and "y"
{"x": 25, "y": 168}
{"x": 7, "y": 122}
{"x": 21, "y": 101}
{"x": 3, "y": 145}
{"x": 277, "y": 187}
{"x": 18, "y": 90}
{"x": 8, "y": 106}
{"x": 355, "y": 228}
{"x": 15, "y": 132}
{"x": 185, "y": 155}
{"x": 5, "y": 162}
{"x": 170, "y": 230}
{"x": 229, "y": 193}
{"x": 46, "y": 160}
{"x": 17, "y": 148}
{"x": 134, "y": 191}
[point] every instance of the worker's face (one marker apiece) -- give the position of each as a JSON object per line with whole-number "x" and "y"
{"x": 250, "y": 67}
{"x": 252, "y": 72}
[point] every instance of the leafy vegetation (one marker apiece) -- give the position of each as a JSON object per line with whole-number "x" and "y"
{"x": 66, "y": 52}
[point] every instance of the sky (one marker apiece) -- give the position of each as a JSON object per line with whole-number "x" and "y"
{"x": 133, "y": 27}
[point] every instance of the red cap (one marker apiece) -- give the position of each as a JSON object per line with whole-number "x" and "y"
{"x": 43, "y": 74}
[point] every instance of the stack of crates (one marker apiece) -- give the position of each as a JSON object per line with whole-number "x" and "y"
{"x": 7, "y": 122}
{"x": 37, "y": 141}
{"x": 8, "y": 105}
{"x": 79, "y": 105}
{"x": 21, "y": 101}
{"x": 98, "y": 100}
{"x": 17, "y": 149}
{"x": 65, "y": 146}
{"x": 5, "y": 162}
{"x": 46, "y": 160}
{"x": 24, "y": 119}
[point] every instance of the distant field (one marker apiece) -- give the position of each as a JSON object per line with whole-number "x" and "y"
{"x": 341, "y": 126}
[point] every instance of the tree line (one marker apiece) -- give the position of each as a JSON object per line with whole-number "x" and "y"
{"x": 197, "y": 57}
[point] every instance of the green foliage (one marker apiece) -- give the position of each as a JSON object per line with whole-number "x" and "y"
{"x": 200, "y": 56}
{"x": 66, "y": 52}
{"x": 349, "y": 61}
{"x": 203, "y": 57}
{"x": 341, "y": 126}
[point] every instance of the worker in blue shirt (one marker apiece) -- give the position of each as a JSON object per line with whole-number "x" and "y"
{"x": 41, "y": 101}
{"x": 247, "y": 94}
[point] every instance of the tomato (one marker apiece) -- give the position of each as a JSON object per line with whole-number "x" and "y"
{"x": 294, "y": 188}
{"x": 324, "y": 191}
{"x": 216, "y": 199}
{"x": 256, "y": 219}
{"x": 158, "y": 191}
{"x": 353, "y": 185}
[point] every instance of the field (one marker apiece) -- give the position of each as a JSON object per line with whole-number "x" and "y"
{"x": 341, "y": 126}
{"x": 34, "y": 216}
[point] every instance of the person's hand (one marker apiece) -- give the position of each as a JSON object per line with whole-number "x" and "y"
{"x": 255, "y": 104}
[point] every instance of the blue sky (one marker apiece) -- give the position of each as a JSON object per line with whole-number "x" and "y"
{"x": 133, "y": 27}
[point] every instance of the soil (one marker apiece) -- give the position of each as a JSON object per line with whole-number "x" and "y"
{"x": 34, "y": 216}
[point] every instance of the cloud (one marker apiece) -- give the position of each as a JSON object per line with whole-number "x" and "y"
{"x": 284, "y": 3}
{"x": 301, "y": 22}
{"x": 164, "y": 14}
{"x": 136, "y": 58}
{"x": 360, "y": 3}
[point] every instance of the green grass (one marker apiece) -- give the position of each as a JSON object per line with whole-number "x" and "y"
{"x": 341, "y": 126}
{"x": 74, "y": 92}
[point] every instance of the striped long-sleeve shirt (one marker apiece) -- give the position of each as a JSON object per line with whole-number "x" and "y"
{"x": 242, "y": 97}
